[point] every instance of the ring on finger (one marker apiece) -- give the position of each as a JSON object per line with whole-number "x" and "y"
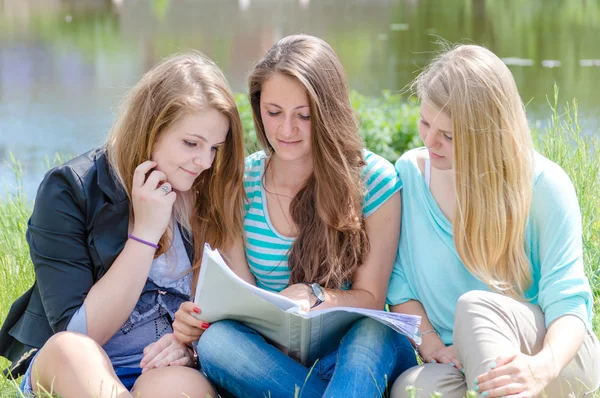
{"x": 166, "y": 188}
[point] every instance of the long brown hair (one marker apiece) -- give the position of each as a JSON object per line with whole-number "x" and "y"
{"x": 493, "y": 163}
{"x": 211, "y": 211}
{"x": 332, "y": 241}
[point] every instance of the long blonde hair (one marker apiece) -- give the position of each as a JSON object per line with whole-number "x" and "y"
{"x": 211, "y": 211}
{"x": 332, "y": 241}
{"x": 493, "y": 163}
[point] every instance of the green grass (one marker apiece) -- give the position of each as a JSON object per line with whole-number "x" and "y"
{"x": 388, "y": 126}
{"x": 579, "y": 155}
{"x": 16, "y": 271}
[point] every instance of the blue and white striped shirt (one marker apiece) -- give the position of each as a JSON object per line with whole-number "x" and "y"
{"x": 266, "y": 249}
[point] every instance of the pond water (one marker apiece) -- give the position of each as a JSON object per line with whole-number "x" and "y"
{"x": 65, "y": 65}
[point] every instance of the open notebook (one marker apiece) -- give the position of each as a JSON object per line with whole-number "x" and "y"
{"x": 305, "y": 336}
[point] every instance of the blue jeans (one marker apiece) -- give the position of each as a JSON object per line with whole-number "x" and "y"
{"x": 367, "y": 361}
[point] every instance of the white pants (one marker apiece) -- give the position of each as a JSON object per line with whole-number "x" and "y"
{"x": 488, "y": 325}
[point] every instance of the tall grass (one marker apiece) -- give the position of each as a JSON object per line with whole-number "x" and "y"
{"x": 578, "y": 154}
{"x": 389, "y": 128}
{"x": 16, "y": 271}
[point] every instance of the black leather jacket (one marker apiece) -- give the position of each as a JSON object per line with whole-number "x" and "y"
{"x": 77, "y": 229}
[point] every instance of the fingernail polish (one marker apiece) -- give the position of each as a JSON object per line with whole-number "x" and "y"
{"x": 452, "y": 364}
{"x": 463, "y": 370}
{"x": 433, "y": 361}
{"x": 493, "y": 365}
{"x": 196, "y": 310}
{"x": 476, "y": 388}
{"x": 476, "y": 381}
{"x": 485, "y": 394}
{"x": 205, "y": 325}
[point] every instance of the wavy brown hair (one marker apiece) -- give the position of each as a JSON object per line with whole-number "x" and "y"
{"x": 211, "y": 211}
{"x": 493, "y": 163}
{"x": 332, "y": 241}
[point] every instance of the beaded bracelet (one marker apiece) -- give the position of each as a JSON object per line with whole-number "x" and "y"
{"x": 429, "y": 331}
{"x": 423, "y": 334}
{"x": 143, "y": 241}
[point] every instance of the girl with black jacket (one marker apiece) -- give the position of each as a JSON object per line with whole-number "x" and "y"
{"x": 117, "y": 236}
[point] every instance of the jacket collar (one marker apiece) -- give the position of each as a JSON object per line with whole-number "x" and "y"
{"x": 107, "y": 179}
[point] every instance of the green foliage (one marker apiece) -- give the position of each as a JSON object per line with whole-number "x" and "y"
{"x": 411, "y": 391}
{"x": 250, "y": 141}
{"x": 160, "y": 8}
{"x": 388, "y": 123}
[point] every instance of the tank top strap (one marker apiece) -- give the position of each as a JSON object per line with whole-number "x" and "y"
{"x": 427, "y": 171}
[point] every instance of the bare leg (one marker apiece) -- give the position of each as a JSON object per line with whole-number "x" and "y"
{"x": 173, "y": 382}
{"x": 74, "y": 366}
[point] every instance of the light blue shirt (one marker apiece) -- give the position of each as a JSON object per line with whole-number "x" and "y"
{"x": 428, "y": 268}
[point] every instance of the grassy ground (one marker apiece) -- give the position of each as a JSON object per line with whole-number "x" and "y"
{"x": 562, "y": 142}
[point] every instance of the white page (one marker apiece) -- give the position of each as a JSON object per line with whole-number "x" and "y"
{"x": 221, "y": 294}
{"x": 215, "y": 259}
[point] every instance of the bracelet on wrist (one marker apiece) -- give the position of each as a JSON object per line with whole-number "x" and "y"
{"x": 418, "y": 346}
{"x": 143, "y": 241}
{"x": 429, "y": 331}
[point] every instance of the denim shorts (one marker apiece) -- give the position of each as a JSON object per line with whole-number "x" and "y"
{"x": 127, "y": 376}
{"x": 26, "y": 386}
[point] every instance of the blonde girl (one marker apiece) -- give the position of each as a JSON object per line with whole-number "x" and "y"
{"x": 490, "y": 253}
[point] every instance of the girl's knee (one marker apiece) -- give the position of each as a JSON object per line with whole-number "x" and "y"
{"x": 405, "y": 381}
{"x": 63, "y": 351}
{"x": 471, "y": 305}
{"x": 470, "y": 299}
{"x": 368, "y": 330}
{"x": 218, "y": 340}
{"x": 369, "y": 342}
{"x": 218, "y": 333}
{"x": 173, "y": 381}
{"x": 66, "y": 344}
{"x": 370, "y": 333}
{"x": 474, "y": 300}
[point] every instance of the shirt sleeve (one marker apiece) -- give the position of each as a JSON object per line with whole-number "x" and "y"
{"x": 78, "y": 322}
{"x": 57, "y": 238}
{"x": 252, "y": 178}
{"x": 399, "y": 290}
{"x": 563, "y": 286}
{"x": 381, "y": 181}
